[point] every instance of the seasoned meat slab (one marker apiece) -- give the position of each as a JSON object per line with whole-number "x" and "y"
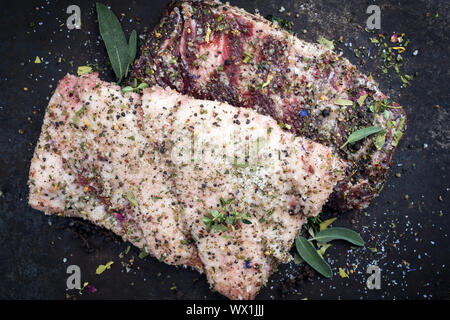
{"x": 92, "y": 161}
{"x": 215, "y": 51}
{"x": 153, "y": 168}
{"x": 238, "y": 167}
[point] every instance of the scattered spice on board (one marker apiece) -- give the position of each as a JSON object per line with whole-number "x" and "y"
{"x": 391, "y": 50}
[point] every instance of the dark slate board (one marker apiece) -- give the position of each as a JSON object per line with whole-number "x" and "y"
{"x": 411, "y": 235}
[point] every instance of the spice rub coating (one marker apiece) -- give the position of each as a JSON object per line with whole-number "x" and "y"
{"x": 245, "y": 185}
{"x": 214, "y": 51}
{"x": 92, "y": 162}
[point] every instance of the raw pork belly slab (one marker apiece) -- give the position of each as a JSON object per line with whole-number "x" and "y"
{"x": 219, "y": 153}
{"x": 150, "y": 167}
{"x": 218, "y": 52}
{"x": 92, "y": 161}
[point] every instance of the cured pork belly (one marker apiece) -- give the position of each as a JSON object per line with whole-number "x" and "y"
{"x": 215, "y": 51}
{"x": 92, "y": 162}
{"x": 151, "y": 167}
{"x": 235, "y": 161}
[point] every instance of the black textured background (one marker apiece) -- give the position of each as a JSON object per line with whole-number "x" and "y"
{"x": 411, "y": 235}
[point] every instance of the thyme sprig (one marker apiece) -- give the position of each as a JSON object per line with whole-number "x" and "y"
{"x": 221, "y": 220}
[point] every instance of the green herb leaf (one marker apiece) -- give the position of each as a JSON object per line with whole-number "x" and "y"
{"x": 80, "y": 112}
{"x": 310, "y": 255}
{"x": 143, "y": 254}
{"x": 83, "y": 69}
{"x": 283, "y": 23}
{"x": 129, "y": 195}
{"x": 115, "y": 41}
{"x": 132, "y": 45}
{"x": 297, "y": 259}
{"x": 323, "y": 225}
{"x": 327, "y": 43}
{"x": 142, "y": 85}
{"x": 323, "y": 248}
{"x": 361, "y": 134}
{"x": 342, "y": 273}
{"x": 380, "y": 140}
{"x": 101, "y": 268}
{"x": 330, "y": 234}
{"x": 127, "y": 89}
{"x": 343, "y": 102}
{"x": 399, "y": 132}
{"x": 361, "y": 100}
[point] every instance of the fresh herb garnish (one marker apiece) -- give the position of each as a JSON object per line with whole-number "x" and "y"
{"x": 283, "y": 23}
{"x": 220, "y": 220}
{"x": 121, "y": 54}
{"x": 314, "y": 257}
{"x": 309, "y": 254}
{"x": 330, "y": 234}
{"x": 361, "y": 134}
{"x": 135, "y": 88}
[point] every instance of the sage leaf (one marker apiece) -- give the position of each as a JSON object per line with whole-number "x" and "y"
{"x": 310, "y": 255}
{"x": 338, "y": 233}
{"x": 114, "y": 39}
{"x": 132, "y": 45}
{"x": 361, "y": 134}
